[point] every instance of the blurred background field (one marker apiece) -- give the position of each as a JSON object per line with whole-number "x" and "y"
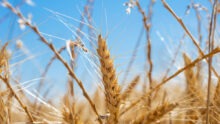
{"x": 48, "y": 87}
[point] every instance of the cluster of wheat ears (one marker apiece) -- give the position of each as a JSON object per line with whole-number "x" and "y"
{"x": 116, "y": 103}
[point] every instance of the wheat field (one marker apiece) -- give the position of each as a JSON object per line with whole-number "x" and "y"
{"x": 186, "y": 94}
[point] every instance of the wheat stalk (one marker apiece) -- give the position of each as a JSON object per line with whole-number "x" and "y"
{"x": 147, "y": 26}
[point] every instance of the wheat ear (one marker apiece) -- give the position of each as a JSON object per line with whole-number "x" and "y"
{"x": 3, "y": 112}
{"x": 193, "y": 86}
{"x": 112, "y": 89}
{"x": 130, "y": 88}
{"x": 156, "y": 114}
{"x": 193, "y": 90}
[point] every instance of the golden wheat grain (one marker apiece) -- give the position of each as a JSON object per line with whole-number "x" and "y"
{"x": 127, "y": 92}
{"x": 4, "y": 56}
{"x": 156, "y": 114}
{"x": 193, "y": 86}
{"x": 3, "y": 113}
{"x": 193, "y": 91}
{"x": 110, "y": 82}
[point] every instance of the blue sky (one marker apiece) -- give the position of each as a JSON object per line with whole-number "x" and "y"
{"x": 109, "y": 17}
